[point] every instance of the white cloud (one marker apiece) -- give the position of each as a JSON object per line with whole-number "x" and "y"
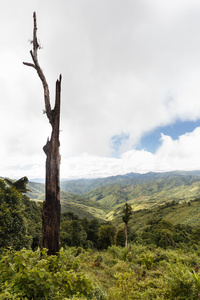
{"x": 180, "y": 154}
{"x": 128, "y": 67}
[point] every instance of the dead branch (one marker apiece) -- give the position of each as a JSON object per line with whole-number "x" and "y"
{"x": 36, "y": 65}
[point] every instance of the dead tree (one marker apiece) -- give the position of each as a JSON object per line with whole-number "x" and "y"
{"x": 51, "y": 205}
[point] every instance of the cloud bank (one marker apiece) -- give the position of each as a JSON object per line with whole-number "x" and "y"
{"x": 128, "y": 68}
{"x": 180, "y": 154}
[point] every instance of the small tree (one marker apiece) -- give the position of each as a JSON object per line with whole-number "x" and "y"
{"x": 127, "y": 212}
{"x": 51, "y": 205}
{"x": 106, "y": 235}
{"x": 13, "y": 231}
{"x": 120, "y": 238}
{"x": 19, "y": 185}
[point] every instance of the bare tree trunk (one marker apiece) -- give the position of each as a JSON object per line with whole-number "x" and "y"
{"x": 51, "y": 205}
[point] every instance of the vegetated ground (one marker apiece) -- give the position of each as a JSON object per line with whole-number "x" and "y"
{"x": 144, "y": 272}
{"x": 161, "y": 262}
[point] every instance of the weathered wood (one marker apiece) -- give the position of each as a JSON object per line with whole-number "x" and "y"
{"x": 51, "y": 205}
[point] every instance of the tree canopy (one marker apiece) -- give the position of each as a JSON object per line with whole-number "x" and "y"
{"x": 13, "y": 231}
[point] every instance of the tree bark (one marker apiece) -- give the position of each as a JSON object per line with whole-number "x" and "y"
{"x": 51, "y": 205}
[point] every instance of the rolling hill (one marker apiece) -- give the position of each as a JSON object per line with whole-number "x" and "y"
{"x": 186, "y": 213}
{"x": 104, "y": 198}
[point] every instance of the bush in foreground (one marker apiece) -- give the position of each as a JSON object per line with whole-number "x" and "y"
{"x": 34, "y": 275}
{"x": 144, "y": 273}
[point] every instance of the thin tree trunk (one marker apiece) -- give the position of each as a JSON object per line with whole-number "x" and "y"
{"x": 51, "y": 205}
{"x": 126, "y": 234}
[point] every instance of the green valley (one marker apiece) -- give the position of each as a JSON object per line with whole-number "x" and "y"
{"x": 160, "y": 262}
{"x": 103, "y": 198}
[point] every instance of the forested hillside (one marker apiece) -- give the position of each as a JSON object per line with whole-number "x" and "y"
{"x": 161, "y": 261}
{"x": 82, "y": 186}
{"x": 104, "y": 197}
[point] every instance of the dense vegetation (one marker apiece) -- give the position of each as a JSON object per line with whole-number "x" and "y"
{"x": 115, "y": 274}
{"x": 162, "y": 260}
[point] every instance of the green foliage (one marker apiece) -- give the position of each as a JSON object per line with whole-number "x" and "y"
{"x": 34, "y": 275}
{"x": 160, "y": 233}
{"x": 144, "y": 273}
{"x": 180, "y": 283}
{"x": 157, "y": 275}
{"x": 163, "y": 233}
{"x": 78, "y": 232}
{"x": 73, "y": 233}
{"x": 19, "y": 185}
{"x": 129, "y": 286}
{"x": 196, "y": 235}
{"x": 92, "y": 232}
{"x": 127, "y": 212}
{"x": 32, "y": 212}
{"x": 159, "y": 265}
{"x": 121, "y": 253}
{"x": 120, "y": 238}
{"x": 196, "y": 279}
{"x": 106, "y": 236}
{"x": 147, "y": 259}
{"x": 13, "y": 231}
{"x": 69, "y": 216}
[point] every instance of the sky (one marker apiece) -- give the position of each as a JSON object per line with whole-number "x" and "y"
{"x": 130, "y": 86}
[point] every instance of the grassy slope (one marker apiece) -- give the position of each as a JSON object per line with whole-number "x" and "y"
{"x": 106, "y": 202}
{"x": 147, "y": 195}
{"x": 37, "y": 191}
{"x": 187, "y": 213}
{"x": 83, "y": 207}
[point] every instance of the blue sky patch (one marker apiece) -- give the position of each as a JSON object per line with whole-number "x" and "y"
{"x": 150, "y": 142}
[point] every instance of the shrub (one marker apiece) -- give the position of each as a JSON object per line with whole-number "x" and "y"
{"x": 181, "y": 285}
{"x": 13, "y": 231}
{"x": 120, "y": 238}
{"x": 28, "y": 275}
{"x": 129, "y": 286}
{"x": 118, "y": 252}
{"x": 147, "y": 259}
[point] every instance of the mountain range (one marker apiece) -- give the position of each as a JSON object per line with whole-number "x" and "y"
{"x": 103, "y": 198}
